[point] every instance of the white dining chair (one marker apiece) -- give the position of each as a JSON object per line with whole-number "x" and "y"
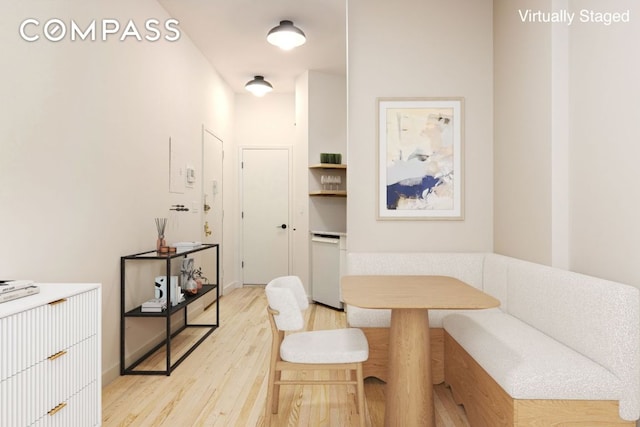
{"x": 335, "y": 349}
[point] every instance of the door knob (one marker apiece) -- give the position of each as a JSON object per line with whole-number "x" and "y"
{"x": 283, "y": 226}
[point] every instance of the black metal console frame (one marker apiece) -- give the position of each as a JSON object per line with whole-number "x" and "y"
{"x": 167, "y": 313}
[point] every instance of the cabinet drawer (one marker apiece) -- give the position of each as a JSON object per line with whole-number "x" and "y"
{"x": 33, "y": 393}
{"x": 80, "y": 410}
{"x": 33, "y": 335}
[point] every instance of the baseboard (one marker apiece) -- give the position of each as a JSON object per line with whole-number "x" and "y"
{"x": 114, "y": 372}
{"x": 110, "y": 375}
{"x": 231, "y": 286}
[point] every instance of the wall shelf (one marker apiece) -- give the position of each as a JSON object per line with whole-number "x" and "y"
{"x": 328, "y": 166}
{"x": 339, "y": 169}
{"x": 329, "y": 193}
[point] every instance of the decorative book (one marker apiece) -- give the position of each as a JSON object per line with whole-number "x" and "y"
{"x": 18, "y": 293}
{"x": 12, "y": 285}
{"x": 154, "y": 305}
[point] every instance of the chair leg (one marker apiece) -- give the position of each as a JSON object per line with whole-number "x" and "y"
{"x": 352, "y": 375}
{"x": 360, "y": 393}
{"x": 271, "y": 390}
{"x": 276, "y": 393}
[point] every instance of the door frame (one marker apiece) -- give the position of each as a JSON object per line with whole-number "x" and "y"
{"x": 221, "y": 258}
{"x": 289, "y": 150}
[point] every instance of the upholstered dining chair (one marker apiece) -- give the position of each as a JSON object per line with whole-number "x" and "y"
{"x": 334, "y": 349}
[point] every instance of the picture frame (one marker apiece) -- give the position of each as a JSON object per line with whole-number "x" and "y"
{"x": 420, "y": 158}
{"x": 186, "y": 270}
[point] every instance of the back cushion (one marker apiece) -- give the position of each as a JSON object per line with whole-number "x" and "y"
{"x": 282, "y": 299}
{"x": 494, "y": 277}
{"x": 463, "y": 266}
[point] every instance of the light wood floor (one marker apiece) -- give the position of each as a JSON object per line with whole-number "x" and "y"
{"x": 223, "y": 382}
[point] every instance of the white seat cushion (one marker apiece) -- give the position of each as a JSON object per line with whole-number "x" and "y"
{"x": 528, "y": 364}
{"x": 347, "y": 345}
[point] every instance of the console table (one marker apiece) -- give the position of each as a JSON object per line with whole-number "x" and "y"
{"x": 166, "y": 314}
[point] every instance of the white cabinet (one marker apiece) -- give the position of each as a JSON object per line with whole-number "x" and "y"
{"x": 50, "y": 357}
{"x": 327, "y": 259}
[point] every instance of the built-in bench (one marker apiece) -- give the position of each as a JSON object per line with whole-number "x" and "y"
{"x": 562, "y": 348}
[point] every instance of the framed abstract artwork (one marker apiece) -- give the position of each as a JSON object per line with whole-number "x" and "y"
{"x": 420, "y": 158}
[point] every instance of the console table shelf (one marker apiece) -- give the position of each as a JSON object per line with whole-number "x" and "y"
{"x": 168, "y": 313}
{"x": 137, "y": 312}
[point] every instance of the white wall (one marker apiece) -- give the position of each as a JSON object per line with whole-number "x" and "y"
{"x": 327, "y": 95}
{"x": 301, "y": 262}
{"x": 605, "y": 145}
{"x": 412, "y": 48}
{"x": 268, "y": 121}
{"x": 84, "y": 131}
{"x": 327, "y": 115}
{"x": 565, "y": 157}
{"x": 522, "y": 145}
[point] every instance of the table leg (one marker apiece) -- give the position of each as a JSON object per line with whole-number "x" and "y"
{"x": 409, "y": 394}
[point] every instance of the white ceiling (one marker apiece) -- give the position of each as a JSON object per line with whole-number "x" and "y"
{"x": 232, "y": 36}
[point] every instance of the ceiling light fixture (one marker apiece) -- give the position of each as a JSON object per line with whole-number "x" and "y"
{"x": 258, "y": 86}
{"x": 286, "y": 36}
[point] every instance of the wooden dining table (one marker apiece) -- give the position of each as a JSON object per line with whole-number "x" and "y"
{"x": 409, "y": 391}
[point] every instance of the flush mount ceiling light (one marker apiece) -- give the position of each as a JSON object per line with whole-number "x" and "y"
{"x": 258, "y": 86}
{"x": 286, "y": 36}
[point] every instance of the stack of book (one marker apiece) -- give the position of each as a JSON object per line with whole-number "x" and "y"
{"x": 13, "y": 289}
{"x": 154, "y": 305}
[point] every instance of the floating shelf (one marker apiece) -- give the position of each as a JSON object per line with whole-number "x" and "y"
{"x": 328, "y": 166}
{"x": 329, "y": 193}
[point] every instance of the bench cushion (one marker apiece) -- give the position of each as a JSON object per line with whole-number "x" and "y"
{"x": 527, "y": 363}
{"x": 595, "y": 317}
{"x": 495, "y": 277}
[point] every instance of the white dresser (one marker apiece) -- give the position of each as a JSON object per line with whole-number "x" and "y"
{"x": 50, "y": 357}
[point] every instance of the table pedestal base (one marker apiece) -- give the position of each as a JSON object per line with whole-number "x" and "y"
{"x": 409, "y": 394}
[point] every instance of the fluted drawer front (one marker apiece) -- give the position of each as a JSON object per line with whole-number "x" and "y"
{"x": 49, "y": 384}
{"x": 37, "y": 333}
{"x": 80, "y": 410}
{"x": 50, "y": 357}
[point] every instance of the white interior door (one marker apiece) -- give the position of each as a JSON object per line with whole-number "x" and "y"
{"x": 265, "y": 214}
{"x": 211, "y": 206}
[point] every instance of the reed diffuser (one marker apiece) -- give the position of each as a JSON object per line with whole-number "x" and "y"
{"x": 161, "y": 224}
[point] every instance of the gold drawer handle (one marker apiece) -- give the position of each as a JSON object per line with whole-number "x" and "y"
{"x": 58, "y": 354}
{"x": 57, "y": 409}
{"x": 59, "y": 301}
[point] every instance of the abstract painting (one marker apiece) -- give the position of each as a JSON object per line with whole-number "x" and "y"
{"x": 420, "y": 158}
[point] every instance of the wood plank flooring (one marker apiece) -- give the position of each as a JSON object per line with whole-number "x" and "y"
{"x": 223, "y": 382}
